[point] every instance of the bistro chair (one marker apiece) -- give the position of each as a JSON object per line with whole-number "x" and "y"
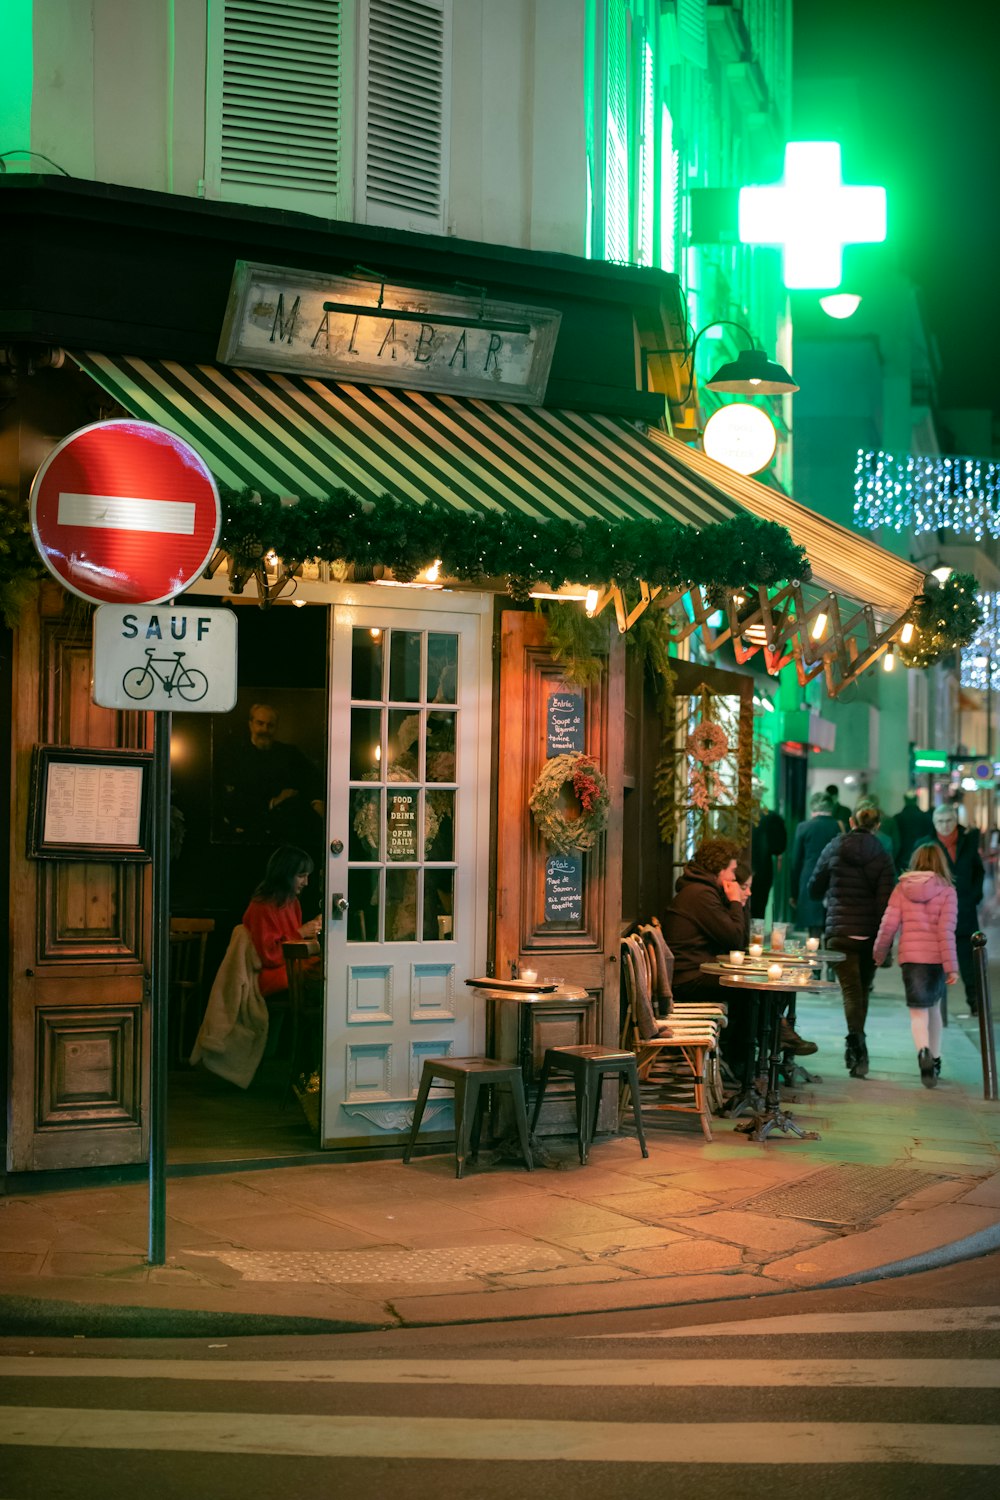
{"x": 304, "y": 1002}
{"x": 188, "y": 942}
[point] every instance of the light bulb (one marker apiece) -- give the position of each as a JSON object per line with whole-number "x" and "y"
{"x": 378, "y": 753}
{"x": 590, "y": 603}
{"x": 889, "y": 660}
{"x": 819, "y": 627}
{"x": 433, "y": 572}
{"x": 906, "y": 634}
{"x": 374, "y": 632}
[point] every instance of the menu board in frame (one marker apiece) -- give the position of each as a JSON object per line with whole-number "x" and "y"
{"x": 89, "y": 804}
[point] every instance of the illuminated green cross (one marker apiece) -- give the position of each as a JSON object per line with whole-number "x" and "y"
{"x": 812, "y": 215}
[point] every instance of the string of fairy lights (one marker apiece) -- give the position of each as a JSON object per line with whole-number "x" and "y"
{"x": 922, "y": 493}
{"x": 980, "y": 666}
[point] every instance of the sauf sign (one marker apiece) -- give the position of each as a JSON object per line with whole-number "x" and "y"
{"x": 366, "y": 332}
{"x": 165, "y": 657}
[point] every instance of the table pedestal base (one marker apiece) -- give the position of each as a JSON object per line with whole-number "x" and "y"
{"x": 773, "y": 1117}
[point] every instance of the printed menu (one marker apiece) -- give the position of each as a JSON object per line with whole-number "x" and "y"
{"x": 93, "y": 805}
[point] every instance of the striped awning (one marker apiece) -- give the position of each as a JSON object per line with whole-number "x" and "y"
{"x": 290, "y": 435}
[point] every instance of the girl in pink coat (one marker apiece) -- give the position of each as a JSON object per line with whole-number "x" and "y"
{"x": 923, "y": 908}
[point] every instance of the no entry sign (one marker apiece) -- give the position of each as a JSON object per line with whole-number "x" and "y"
{"x": 125, "y": 513}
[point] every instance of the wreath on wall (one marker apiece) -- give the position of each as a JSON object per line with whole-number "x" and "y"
{"x": 589, "y": 791}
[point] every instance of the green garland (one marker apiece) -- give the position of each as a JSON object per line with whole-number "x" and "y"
{"x": 946, "y": 619}
{"x": 590, "y": 794}
{"x": 474, "y": 545}
{"x": 20, "y": 565}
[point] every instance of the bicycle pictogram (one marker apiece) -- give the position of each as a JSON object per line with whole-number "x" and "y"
{"x": 187, "y": 682}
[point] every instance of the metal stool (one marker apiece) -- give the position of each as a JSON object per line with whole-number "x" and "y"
{"x": 588, "y": 1065}
{"x": 472, "y": 1078}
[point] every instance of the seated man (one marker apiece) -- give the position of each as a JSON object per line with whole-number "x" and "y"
{"x": 705, "y": 919}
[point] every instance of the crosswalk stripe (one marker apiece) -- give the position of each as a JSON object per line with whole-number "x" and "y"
{"x": 936, "y": 1374}
{"x": 888, "y": 1320}
{"x": 426, "y": 1438}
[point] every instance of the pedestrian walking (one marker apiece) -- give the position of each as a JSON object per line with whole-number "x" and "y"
{"x": 837, "y": 808}
{"x": 915, "y": 827}
{"x": 768, "y": 842}
{"x": 811, "y": 838}
{"x": 855, "y": 875}
{"x": 965, "y": 866}
{"x": 923, "y": 910}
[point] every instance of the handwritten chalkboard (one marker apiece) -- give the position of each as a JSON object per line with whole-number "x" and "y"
{"x": 565, "y": 726}
{"x": 564, "y": 888}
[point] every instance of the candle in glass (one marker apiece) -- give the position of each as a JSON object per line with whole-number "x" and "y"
{"x": 774, "y": 971}
{"x": 755, "y": 950}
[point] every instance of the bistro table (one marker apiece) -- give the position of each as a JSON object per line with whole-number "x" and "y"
{"x": 766, "y": 1114}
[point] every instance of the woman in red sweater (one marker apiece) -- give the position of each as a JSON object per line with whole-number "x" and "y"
{"x": 274, "y": 915}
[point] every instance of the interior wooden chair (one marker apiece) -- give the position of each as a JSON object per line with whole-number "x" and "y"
{"x": 305, "y": 1002}
{"x": 674, "y": 1053}
{"x": 188, "y": 942}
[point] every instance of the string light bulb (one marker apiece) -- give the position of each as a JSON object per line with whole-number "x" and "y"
{"x": 906, "y": 634}
{"x": 590, "y": 603}
{"x": 819, "y": 626}
{"x": 889, "y": 660}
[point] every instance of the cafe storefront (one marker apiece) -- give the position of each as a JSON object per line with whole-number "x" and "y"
{"x": 406, "y": 455}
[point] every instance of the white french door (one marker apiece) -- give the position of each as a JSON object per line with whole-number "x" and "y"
{"x": 406, "y": 879}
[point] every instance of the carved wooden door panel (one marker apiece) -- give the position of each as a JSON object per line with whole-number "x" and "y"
{"x": 564, "y": 922}
{"x": 79, "y": 1010}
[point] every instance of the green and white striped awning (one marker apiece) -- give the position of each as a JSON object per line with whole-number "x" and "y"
{"x": 291, "y": 436}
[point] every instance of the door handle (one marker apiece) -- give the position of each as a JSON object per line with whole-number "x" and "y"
{"x": 338, "y": 904}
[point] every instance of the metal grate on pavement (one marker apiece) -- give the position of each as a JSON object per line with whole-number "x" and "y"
{"x": 842, "y": 1195}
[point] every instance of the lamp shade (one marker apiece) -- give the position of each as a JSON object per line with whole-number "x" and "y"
{"x": 752, "y": 374}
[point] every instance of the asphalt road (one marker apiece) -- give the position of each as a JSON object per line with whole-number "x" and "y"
{"x": 889, "y": 1390}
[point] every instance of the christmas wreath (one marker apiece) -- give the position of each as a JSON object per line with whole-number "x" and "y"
{"x": 707, "y": 742}
{"x": 590, "y": 794}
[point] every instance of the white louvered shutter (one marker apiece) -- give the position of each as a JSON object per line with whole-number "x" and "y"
{"x": 617, "y": 239}
{"x": 404, "y": 94}
{"x": 276, "y": 105}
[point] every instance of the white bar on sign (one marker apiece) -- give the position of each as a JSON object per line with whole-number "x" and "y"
{"x": 126, "y": 513}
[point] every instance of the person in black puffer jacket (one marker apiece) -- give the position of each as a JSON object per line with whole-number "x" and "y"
{"x": 705, "y": 919}
{"x": 856, "y": 876}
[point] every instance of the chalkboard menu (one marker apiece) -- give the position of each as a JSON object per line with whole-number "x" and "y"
{"x": 565, "y": 725}
{"x": 564, "y": 888}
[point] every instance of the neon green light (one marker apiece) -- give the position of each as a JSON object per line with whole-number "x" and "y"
{"x": 16, "y": 75}
{"x": 812, "y": 215}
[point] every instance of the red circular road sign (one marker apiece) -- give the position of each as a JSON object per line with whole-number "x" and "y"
{"x": 125, "y": 513}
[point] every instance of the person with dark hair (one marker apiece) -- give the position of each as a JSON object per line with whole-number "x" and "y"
{"x": 856, "y": 876}
{"x": 923, "y": 910}
{"x": 274, "y": 915}
{"x": 811, "y": 838}
{"x": 269, "y": 792}
{"x": 960, "y": 847}
{"x": 837, "y": 808}
{"x": 707, "y": 917}
{"x": 915, "y": 827}
{"x": 768, "y": 842}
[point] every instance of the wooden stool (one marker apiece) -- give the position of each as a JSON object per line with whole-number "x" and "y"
{"x": 472, "y": 1078}
{"x": 588, "y": 1065}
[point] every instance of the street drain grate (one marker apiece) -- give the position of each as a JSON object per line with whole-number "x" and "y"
{"x": 842, "y": 1195}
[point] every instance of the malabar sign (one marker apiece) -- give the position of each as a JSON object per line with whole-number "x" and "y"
{"x": 367, "y": 332}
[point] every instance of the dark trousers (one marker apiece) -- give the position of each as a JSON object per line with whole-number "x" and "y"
{"x": 967, "y": 967}
{"x": 855, "y": 975}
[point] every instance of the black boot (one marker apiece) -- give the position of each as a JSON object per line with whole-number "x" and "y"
{"x": 937, "y": 1067}
{"x": 928, "y": 1076}
{"x": 856, "y": 1055}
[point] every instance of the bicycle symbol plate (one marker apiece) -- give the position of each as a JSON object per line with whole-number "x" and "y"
{"x": 165, "y": 657}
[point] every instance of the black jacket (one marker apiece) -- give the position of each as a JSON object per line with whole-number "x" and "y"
{"x": 915, "y": 827}
{"x": 811, "y": 838}
{"x": 967, "y": 872}
{"x": 700, "y": 923}
{"x": 856, "y": 876}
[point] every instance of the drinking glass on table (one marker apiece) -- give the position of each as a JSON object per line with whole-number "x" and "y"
{"x": 778, "y": 930}
{"x": 757, "y": 930}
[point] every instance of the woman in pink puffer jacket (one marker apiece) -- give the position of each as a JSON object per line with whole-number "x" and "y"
{"x": 923, "y": 908}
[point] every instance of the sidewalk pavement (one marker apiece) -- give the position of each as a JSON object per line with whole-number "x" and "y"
{"x": 899, "y": 1172}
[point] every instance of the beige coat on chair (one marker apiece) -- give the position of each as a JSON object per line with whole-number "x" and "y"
{"x": 233, "y": 1032}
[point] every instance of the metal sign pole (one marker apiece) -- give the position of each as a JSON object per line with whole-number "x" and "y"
{"x": 160, "y": 964}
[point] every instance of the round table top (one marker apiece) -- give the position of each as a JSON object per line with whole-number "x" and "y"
{"x": 737, "y": 979}
{"x": 798, "y": 956}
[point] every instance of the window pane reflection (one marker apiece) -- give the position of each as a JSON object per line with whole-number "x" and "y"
{"x": 365, "y": 825}
{"x": 442, "y": 668}
{"x": 439, "y": 825}
{"x": 439, "y": 904}
{"x": 366, "y": 663}
{"x": 366, "y": 726}
{"x": 362, "y": 912}
{"x": 403, "y": 748}
{"x": 404, "y": 666}
{"x": 441, "y": 746}
{"x": 401, "y": 905}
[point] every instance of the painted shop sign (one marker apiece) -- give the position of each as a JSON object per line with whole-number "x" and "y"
{"x": 366, "y": 332}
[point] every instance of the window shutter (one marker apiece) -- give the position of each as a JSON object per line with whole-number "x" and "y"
{"x": 404, "y": 113}
{"x": 646, "y": 206}
{"x": 616, "y": 186}
{"x": 279, "y": 78}
{"x": 692, "y": 32}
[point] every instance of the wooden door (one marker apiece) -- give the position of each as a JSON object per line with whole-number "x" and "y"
{"x": 79, "y": 1006}
{"x": 582, "y": 952}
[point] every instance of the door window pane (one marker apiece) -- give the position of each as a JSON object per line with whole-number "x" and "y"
{"x": 403, "y": 745}
{"x": 362, "y": 912}
{"x": 366, "y": 744}
{"x": 365, "y": 825}
{"x": 366, "y": 663}
{"x": 441, "y": 746}
{"x": 439, "y": 905}
{"x": 404, "y": 666}
{"x": 402, "y": 821}
{"x": 442, "y": 668}
{"x": 439, "y": 825}
{"x": 401, "y": 905}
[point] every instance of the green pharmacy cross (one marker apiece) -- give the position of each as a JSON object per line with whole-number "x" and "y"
{"x": 812, "y": 215}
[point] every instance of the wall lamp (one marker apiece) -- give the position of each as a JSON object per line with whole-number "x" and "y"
{"x": 751, "y": 373}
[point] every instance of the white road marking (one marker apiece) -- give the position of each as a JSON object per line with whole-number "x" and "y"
{"x": 126, "y": 513}
{"x": 475, "y": 1439}
{"x": 895, "y": 1320}
{"x": 928, "y": 1374}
